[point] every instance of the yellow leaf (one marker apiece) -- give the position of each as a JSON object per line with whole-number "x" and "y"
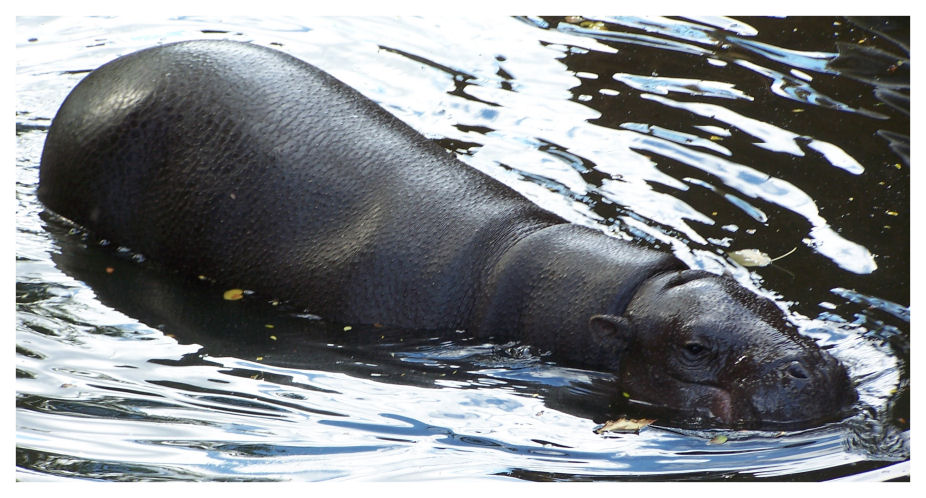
{"x": 625, "y": 425}
{"x": 754, "y": 257}
{"x": 750, "y": 257}
{"x": 233, "y": 294}
{"x": 596, "y": 25}
{"x": 719, "y": 439}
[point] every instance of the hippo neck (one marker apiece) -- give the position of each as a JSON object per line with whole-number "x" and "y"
{"x": 544, "y": 289}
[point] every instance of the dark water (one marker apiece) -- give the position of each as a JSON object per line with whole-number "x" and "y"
{"x": 699, "y": 135}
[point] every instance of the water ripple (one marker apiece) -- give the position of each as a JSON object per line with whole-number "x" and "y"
{"x": 678, "y": 132}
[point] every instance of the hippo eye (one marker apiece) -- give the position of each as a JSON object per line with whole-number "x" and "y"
{"x": 694, "y": 350}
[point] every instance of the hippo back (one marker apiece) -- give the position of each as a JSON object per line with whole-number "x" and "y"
{"x": 254, "y": 168}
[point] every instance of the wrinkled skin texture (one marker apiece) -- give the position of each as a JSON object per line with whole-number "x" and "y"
{"x": 258, "y": 170}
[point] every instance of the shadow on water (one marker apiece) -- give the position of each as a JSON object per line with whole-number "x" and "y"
{"x": 196, "y": 312}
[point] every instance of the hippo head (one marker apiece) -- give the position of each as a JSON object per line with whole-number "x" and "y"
{"x": 704, "y": 347}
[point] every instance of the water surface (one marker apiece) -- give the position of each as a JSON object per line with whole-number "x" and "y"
{"x": 700, "y": 136}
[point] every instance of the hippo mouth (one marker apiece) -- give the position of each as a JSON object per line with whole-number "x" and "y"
{"x": 696, "y": 404}
{"x": 754, "y": 406}
{"x": 764, "y": 408}
{"x": 718, "y": 405}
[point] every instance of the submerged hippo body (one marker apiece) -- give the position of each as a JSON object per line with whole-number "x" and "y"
{"x": 259, "y": 170}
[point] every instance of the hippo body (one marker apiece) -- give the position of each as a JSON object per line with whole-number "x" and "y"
{"x": 258, "y": 170}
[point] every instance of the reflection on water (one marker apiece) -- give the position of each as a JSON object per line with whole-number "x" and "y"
{"x": 702, "y": 136}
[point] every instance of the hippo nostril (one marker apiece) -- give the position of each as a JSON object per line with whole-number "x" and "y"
{"x": 796, "y": 370}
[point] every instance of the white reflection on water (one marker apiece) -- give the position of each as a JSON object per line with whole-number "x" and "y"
{"x": 98, "y": 398}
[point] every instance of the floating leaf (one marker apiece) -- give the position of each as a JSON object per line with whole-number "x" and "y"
{"x": 754, "y": 257}
{"x": 596, "y": 25}
{"x": 750, "y": 257}
{"x": 718, "y": 439}
{"x": 233, "y": 294}
{"x": 347, "y": 328}
{"x": 624, "y": 425}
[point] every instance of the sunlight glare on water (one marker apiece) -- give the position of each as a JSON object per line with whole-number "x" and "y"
{"x": 699, "y": 136}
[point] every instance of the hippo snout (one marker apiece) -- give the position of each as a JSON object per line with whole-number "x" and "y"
{"x": 796, "y": 390}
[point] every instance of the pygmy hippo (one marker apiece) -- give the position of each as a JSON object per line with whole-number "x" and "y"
{"x": 254, "y": 168}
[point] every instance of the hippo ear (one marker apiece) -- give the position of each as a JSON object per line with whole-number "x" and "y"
{"x": 611, "y": 332}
